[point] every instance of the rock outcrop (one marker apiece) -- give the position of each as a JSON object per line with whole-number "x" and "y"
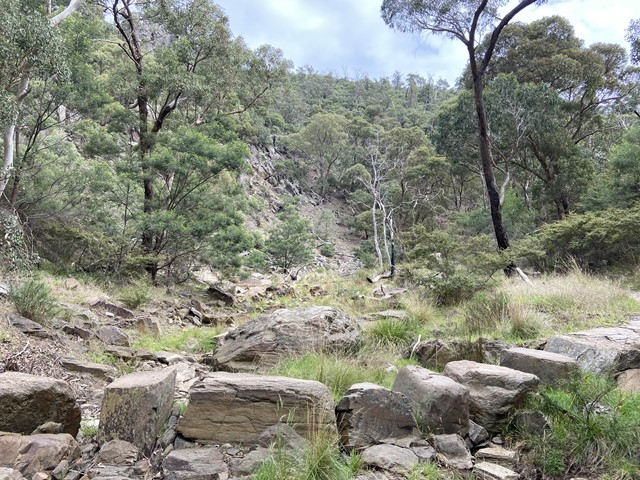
{"x": 369, "y": 414}
{"x": 494, "y": 391}
{"x": 135, "y": 407}
{"x": 32, "y": 454}
{"x": 439, "y": 404}
{"x": 237, "y": 408}
{"x": 259, "y": 344}
{"x": 549, "y": 367}
{"x": 28, "y": 401}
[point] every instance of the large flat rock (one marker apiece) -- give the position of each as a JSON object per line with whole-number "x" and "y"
{"x": 259, "y": 344}
{"x": 28, "y": 401}
{"x": 237, "y": 408}
{"x": 195, "y": 464}
{"x": 136, "y": 406}
{"x": 440, "y": 404}
{"x": 549, "y": 367}
{"x": 494, "y": 391}
{"x": 601, "y": 350}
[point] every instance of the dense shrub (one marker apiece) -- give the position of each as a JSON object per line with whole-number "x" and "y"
{"x": 33, "y": 300}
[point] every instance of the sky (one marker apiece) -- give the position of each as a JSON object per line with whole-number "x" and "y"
{"x": 349, "y": 38}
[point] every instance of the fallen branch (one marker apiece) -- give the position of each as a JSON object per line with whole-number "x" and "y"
{"x": 523, "y": 276}
{"x": 382, "y": 276}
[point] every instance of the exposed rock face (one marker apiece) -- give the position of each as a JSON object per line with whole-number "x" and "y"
{"x": 390, "y": 457}
{"x": 549, "y": 367}
{"x": 37, "y": 453}
{"x": 237, "y": 408}
{"x": 28, "y": 401}
{"x": 112, "y": 335}
{"x": 436, "y": 353}
{"x": 10, "y": 473}
{"x": 629, "y": 381}
{"x": 28, "y": 327}
{"x": 117, "y": 452}
{"x": 452, "y": 451}
{"x": 498, "y": 455}
{"x": 195, "y": 464}
{"x": 369, "y": 414}
{"x": 260, "y": 343}
{"x": 135, "y": 407}
{"x": 97, "y": 369}
{"x": 440, "y": 404}
{"x": 494, "y": 391}
{"x": 601, "y": 350}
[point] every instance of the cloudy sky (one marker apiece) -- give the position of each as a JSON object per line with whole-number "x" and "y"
{"x": 348, "y": 37}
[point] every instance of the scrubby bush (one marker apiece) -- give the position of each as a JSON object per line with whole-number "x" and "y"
{"x": 33, "y": 300}
{"x": 328, "y": 250}
{"x": 136, "y": 294}
{"x": 289, "y": 243}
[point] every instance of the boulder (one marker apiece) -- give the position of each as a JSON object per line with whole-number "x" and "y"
{"x": 96, "y": 369}
{"x": 117, "y": 453}
{"x": 498, "y": 455}
{"x": 28, "y": 401}
{"x": 629, "y": 381}
{"x": 259, "y": 344}
{"x": 440, "y": 404}
{"x": 77, "y": 331}
{"x": 28, "y": 327}
{"x": 477, "y": 434}
{"x": 369, "y": 414}
{"x": 237, "y": 408}
{"x": 135, "y": 407}
{"x": 282, "y": 435}
{"x": 195, "y": 464}
{"x": 249, "y": 463}
{"x": 9, "y": 473}
{"x": 31, "y": 454}
{"x": 112, "y": 335}
{"x": 390, "y": 457}
{"x": 149, "y": 326}
{"x": 601, "y": 350}
{"x": 491, "y": 471}
{"x": 118, "y": 311}
{"x": 549, "y": 367}
{"x": 453, "y": 451}
{"x": 494, "y": 391}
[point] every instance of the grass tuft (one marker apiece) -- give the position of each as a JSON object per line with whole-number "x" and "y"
{"x": 33, "y": 299}
{"x": 194, "y": 339}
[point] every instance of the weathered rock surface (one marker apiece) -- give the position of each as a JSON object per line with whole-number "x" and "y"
{"x": 112, "y": 335}
{"x": 494, "y": 391}
{"x": 436, "y": 353}
{"x": 629, "y": 381}
{"x": 491, "y": 471}
{"x": 31, "y": 454}
{"x": 237, "y": 408}
{"x": 28, "y": 401}
{"x": 248, "y": 464}
{"x": 28, "y": 327}
{"x": 117, "y": 452}
{"x": 601, "y": 350}
{"x": 390, "y": 457}
{"x": 284, "y": 436}
{"x": 260, "y": 343}
{"x": 96, "y": 369}
{"x": 135, "y": 407}
{"x": 452, "y": 451}
{"x": 10, "y": 473}
{"x": 440, "y": 404}
{"x": 549, "y": 367}
{"x": 498, "y": 455}
{"x": 369, "y": 414}
{"x": 195, "y": 464}
{"x": 477, "y": 434}
{"x": 118, "y": 310}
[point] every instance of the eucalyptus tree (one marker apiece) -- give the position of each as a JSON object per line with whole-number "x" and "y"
{"x": 466, "y": 21}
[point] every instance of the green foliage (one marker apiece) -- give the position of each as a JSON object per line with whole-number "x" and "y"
{"x": 15, "y": 253}
{"x": 398, "y": 332}
{"x": 289, "y": 243}
{"x": 328, "y": 250}
{"x": 595, "y": 430}
{"x": 452, "y": 267}
{"x": 33, "y": 300}
{"x": 136, "y": 294}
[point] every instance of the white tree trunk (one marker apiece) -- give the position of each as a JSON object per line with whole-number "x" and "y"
{"x": 376, "y": 241}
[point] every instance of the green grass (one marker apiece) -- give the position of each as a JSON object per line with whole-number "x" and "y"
{"x": 582, "y": 442}
{"x": 339, "y": 373}
{"x": 194, "y": 339}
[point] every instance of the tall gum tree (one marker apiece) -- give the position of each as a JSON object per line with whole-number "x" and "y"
{"x": 467, "y": 21}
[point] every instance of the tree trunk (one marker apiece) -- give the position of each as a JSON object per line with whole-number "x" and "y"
{"x": 493, "y": 194}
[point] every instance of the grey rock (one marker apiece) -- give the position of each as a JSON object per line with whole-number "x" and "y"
{"x": 149, "y": 326}
{"x": 531, "y": 422}
{"x": 491, "y": 471}
{"x": 436, "y": 353}
{"x": 195, "y": 464}
{"x": 425, "y": 454}
{"x": 453, "y": 451}
{"x": 112, "y": 335}
{"x": 248, "y": 464}
{"x": 31, "y": 454}
{"x": 629, "y": 381}
{"x": 549, "y": 367}
{"x": 117, "y": 453}
{"x": 282, "y": 435}
{"x": 601, "y": 350}
{"x": 135, "y": 407}
{"x": 369, "y": 414}
{"x": 390, "y": 457}
{"x": 61, "y": 470}
{"x": 168, "y": 358}
{"x": 440, "y": 404}
{"x": 28, "y": 327}
{"x": 477, "y": 433}
{"x": 77, "y": 331}
{"x": 96, "y": 369}
{"x": 260, "y": 343}
{"x": 118, "y": 310}
{"x": 219, "y": 294}
{"x": 494, "y": 391}
{"x": 498, "y": 455}
{"x": 10, "y": 474}
{"x": 28, "y": 401}
{"x": 237, "y": 408}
